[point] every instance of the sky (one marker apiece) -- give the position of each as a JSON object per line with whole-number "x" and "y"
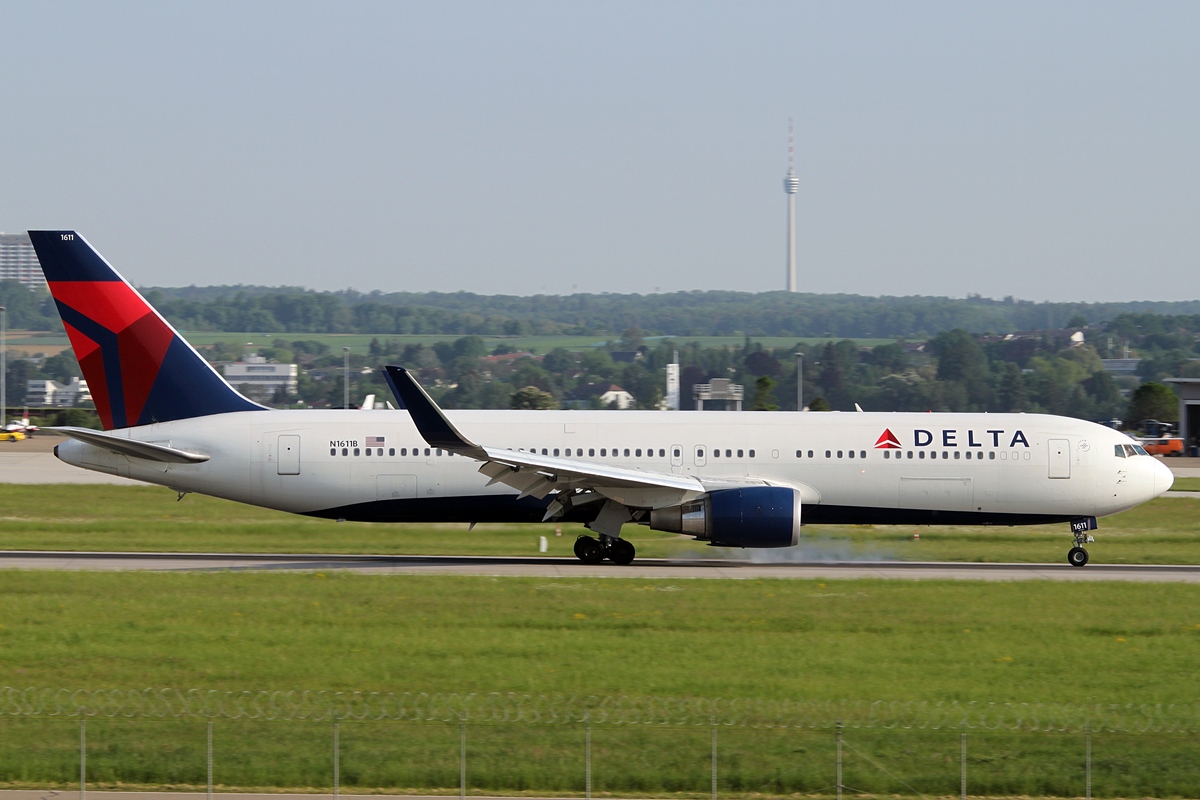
{"x": 1044, "y": 150}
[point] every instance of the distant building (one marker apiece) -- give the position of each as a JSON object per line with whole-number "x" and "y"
{"x": 607, "y": 394}
{"x": 721, "y": 390}
{"x": 1121, "y": 366}
{"x": 52, "y": 394}
{"x": 261, "y": 380}
{"x": 19, "y": 261}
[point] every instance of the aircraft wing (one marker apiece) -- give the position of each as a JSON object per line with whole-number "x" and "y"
{"x": 538, "y": 475}
{"x": 131, "y": 447}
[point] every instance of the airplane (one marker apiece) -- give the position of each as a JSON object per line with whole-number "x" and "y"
{"x": 731, "y": 479}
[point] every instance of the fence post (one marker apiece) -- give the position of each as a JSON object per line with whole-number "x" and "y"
{"x": 963, "y": 767}
{"x": 210, "y": 761}
{"x": 714, "y": 757}
{"x": 587, "y": 755}
{"x": 82, "y": 759}
{"x": 337, "y": 758}
{"x": 839, "y": 760}
{"x": 1088, "y": 760}
{"x": 462, "y": 758}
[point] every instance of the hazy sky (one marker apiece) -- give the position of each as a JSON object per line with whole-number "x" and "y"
{"x": 1043, "y": 150}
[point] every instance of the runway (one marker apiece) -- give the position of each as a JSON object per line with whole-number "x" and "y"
{"x": 571, "y": 568}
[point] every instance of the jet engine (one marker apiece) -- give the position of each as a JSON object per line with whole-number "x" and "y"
{"x": 756, "y": 516}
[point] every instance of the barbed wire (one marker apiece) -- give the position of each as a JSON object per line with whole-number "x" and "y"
{"x": 559, "y": 709}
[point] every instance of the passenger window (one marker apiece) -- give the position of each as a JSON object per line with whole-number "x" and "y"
{"x": 862, "y": 453}
{"x": 391, "y": 451}
{"x": 345, "y": 452}
{"x": 729, "y": 454}
{"x": 809, "y": 454}
{"x": 356, "y": 451}
{"x": 700, "y": 453}
{"x": 957, "y": 454}
{"x": 799, "y": 454}
{"x": 662, "y": 452}
{"x": 1119, "y": 451}
{"x": 839, "y": 453}
{"x": 921, "y": 454}
{"x": 603, "y": 452}
{"x": 638, "y": 452}
{"x": 992, "y": 456}
{"x": 852, "y": 454}
{"x": 910, "y": 455}
{"x": 677, "y": 453}
{"x": 828, "y": 454}
{"x": 627, "y": 452}
{"x": 556, "y": 451}
{"x": 426, "y": 451}
{"x": 333, "y": 451}
{"x": 716, "y": 452}
{"x": 752, "y": 454}
{"x": 887, "y": 453}
{"x": 740, "y": 454}
{"x": 439, "y": 451}
{"x": 592, "y": 452}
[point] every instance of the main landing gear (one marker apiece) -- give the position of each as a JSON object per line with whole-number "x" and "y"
{"x": 1077, "y": 556}
{"x": 592, "y": 551}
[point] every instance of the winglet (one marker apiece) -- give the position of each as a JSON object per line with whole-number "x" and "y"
{"x": 429, "y": 419}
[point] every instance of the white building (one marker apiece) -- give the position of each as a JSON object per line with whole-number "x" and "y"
{"x": 52, "y": 394}
{"x": 259, "y": 379}
{"x": 19, "y": 261}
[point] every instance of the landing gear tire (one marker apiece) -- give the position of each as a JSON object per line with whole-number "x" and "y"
{"x": 1077, "y": 557}
{"x": 588, "y": 550}
{"x": 621, "y": 552}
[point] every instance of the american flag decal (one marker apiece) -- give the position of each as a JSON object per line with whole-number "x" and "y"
{"x": 374, "y": 441}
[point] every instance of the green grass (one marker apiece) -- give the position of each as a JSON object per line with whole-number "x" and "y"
{"x": 85, "y": 517}
{"x": 1186, "y": 485}
{"x": 860, "y": 639}
{"x": 1037, "y": 642}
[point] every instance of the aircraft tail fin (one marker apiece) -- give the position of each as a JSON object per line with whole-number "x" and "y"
{"x": 139, "y": 370}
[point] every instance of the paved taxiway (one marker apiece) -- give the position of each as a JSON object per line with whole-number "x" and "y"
{"x": 571, "y": 568}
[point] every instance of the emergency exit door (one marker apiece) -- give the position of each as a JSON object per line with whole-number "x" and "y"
{"x": 289, "y": 455}
{"x": 1060, "y": 458}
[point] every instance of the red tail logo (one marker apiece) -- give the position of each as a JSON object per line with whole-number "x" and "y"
{"x": 887, "y": 441}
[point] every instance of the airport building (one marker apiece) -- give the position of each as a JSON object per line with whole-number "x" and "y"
{"x": 19, "y": 261}
{"x": 261, "y": 380}
{"x": 52, "y": 394}
{"x": 1188, "y": 390}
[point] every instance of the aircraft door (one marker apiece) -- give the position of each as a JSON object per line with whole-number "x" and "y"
{"x": 1060, "y": 458}
{"x": 289, "y": 455}
{"x": 701, "y": 455}
{"x": 676, "y": 457}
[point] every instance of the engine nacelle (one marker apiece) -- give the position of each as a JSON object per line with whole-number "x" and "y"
{"x": 757, "y": 516}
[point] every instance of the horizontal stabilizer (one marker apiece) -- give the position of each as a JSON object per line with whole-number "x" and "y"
{"x": 132, "y": 447}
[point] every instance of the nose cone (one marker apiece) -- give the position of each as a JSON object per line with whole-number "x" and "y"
{"x": 1163, "y": 478}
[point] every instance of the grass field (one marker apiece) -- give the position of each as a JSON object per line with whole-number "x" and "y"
{"x": 83, "y": 517}
{"x": 360, "y": 342}
{"x": 1037, "y": 642}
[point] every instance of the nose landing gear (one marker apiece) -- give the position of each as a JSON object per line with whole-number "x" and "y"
{"x": 1077, "y": 556}
{"x": 591, "y": 551}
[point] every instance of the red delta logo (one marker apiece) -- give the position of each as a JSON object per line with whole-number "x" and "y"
{"x": 887, "y": 441}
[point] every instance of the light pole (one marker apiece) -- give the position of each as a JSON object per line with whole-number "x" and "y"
{"x": 3, "y": 367}
{"x": 346, "y": 381}
{"x": 799, "y": 380}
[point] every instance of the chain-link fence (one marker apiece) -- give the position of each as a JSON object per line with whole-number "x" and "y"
{"x": 510, "y": 743}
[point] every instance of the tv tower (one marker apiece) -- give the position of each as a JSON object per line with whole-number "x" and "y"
{"x": 791, "y": 184}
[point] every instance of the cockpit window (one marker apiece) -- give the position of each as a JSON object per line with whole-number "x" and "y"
{"x": 1131, "y": 451}
{"x": 1141, "y": 451}
{"x": 1119, "y": 450}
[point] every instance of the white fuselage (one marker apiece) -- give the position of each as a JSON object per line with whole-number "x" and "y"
{"x": 374, "y": 465}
